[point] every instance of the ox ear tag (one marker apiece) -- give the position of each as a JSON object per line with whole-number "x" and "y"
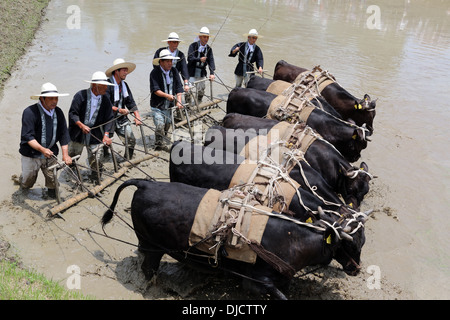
{"x": 354, "y": 137}
{"x": 328, "y": 240}
{"x": 309, "y": 220}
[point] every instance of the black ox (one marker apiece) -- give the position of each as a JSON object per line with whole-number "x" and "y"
{"x": 207, "y": 168}
{"x": 342, "y": 177}
{"x": 349, "y": 107}
{"x": 263, "y": 84}
{"x": 163, "y": 214}
{"x": 349, "y": 139}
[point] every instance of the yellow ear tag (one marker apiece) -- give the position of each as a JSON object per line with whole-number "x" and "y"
{"x": 309, "y": 220}
{"x": 356, "y": 106}
{"x": 354, "y": 137}
{"x": 359, "y": 106}
{"x": 350, "y": 205}
{"x": 329, "y": 239}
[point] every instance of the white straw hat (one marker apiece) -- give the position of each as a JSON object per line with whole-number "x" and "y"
{"x": 119, "y": 64}
{"x": 252, "y": 33}
{"x": 204, "y": 31}
{"x": 99, "y": 77}
{"x": 48, "y": 90}
{"x": 173, "y": 36}
{"x": 165, "y": 55}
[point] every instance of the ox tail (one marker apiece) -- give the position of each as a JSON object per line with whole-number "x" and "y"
{"x": 108, "y": 215}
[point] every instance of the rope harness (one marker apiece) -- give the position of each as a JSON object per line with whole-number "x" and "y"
{"x": 295, "y": 104}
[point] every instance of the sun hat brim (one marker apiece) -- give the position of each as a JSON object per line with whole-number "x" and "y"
{"x": 156, "y": 60}
{"x": 106, "y": 83}
{"x": 173, "y": 39}
{"x": 252, "y": 35}
{"x": 131, "y": 66}
{"x": 49, "y": 94}
{"x": 204, "y": 34}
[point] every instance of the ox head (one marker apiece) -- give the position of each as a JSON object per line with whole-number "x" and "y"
{"x": 354, "y": 183}
{"x": 365, "y": 111}
{"x": 360, "y": 136}
{"x": 346, "y": 237}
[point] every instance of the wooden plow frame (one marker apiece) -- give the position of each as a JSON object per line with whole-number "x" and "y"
{"x": 95, "y": 190}
{"x": 200, "y": 110}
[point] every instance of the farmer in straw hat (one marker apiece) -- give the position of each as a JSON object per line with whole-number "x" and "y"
{"x": 249, "y": 53}
{"x": 90, "y": 121}
{"x": 122, "y": 104}
{"x": 166, "y": 91}
{"x": 200, "y": 55}
{"x": 43, "y": 125}
{"x": 173, "y": 40}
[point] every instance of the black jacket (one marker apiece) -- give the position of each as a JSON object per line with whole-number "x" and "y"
{"x": 32, "y": 129}
{"x": 257, "y": 58}
{"x": 127, "y": 102}
{"x": 157, "y": 83}
{"x": 77, "y": 112}
{"x": 181, "y": 63}
{"x": 193, "y": 58}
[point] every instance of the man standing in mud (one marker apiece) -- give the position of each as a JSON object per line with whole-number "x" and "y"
{"x": 166, "y": 90}
{"x": 43, "y": 125}
{"x": 173, "y": 40}
{"x": 122, "y": 104}
{"x": 248, "y": 54}
{"x": 91, "y": 121}
{"x": 200, "y": 56}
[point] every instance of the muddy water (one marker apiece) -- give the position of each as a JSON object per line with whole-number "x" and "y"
{"x": 398, "y": 52}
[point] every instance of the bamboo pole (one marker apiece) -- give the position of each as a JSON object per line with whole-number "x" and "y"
{"x": 105, "y": 183}
{"x": 195, "y": 117}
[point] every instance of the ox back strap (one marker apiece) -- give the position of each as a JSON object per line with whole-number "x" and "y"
{"x": 318, "y": 77}
{"x": 297, "y": 90}
{"x": 290, "y": 109}
{"x": 216, "y": 222}
{"x": 279, "y": 87}
{"x": 297, "y": 137}
{"x": 270, "y": 185}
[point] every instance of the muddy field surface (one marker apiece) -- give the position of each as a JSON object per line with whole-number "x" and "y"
{"x": 405, "y": 236}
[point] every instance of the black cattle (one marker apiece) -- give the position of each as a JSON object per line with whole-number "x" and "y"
{"x": 259, "y": 83}
{"x": 249, "y": 101}
{"x": 206, "y": 167}
{"x": 361, "y": 111}
{"x": 348, "y": 138}
{"x": 263, "y": 83}
{"x": 163, "y": 214}
{"x": 352, "y": 183}
{"x": 286, "y": 71}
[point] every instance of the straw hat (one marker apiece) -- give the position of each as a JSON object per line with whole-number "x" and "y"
{"x": 252, "y": 33}
{"x": 99, "y": 77}
{"x": 204, "y": 31}
{"x": 119, "y": 64}
{"x": 165, "y": 55}
{"x": 173, "y": 36}
{"x": 48, "y": 90}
